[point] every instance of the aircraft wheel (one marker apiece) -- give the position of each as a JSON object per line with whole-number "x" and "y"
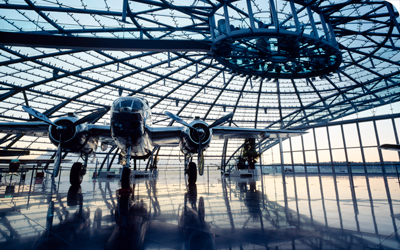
{"x": 126, "y": 178}
{"x": 192, "y": 173}
{"x": 76, "y": 174}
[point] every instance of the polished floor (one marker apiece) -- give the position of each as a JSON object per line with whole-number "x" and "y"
{"x": 306, "y": 212}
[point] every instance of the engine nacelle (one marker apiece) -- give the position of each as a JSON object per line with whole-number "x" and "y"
{"x": 75, "y": 139}
{"x": 189, "y": 141}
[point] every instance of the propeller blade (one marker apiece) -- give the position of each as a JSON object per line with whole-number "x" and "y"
{"x": 199, "y": 151}
{"x": 177, "y": 119}
{"x": 57, "y": 161}
{"x": 221, "y": 120}
{"x": 38, "y": 115}
{"x": 200, "y": 158}
{"x": 91, "y": 117}
{"x": 201, "y": 163}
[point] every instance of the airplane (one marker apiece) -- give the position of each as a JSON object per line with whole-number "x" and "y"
{"x": 131, "y": 130}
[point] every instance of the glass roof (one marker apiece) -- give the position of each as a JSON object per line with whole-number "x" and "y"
{"x": 77, "y": 56}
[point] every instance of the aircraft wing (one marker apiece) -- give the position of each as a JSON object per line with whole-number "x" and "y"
{"x": 14, "y": 152}
{"x": 165, "y": 136}
{"x": 103, "y": 131}
{"x": 395, "y": 147}
{"x": 33, "y": 161}
{"x": 42, "y": 129}
{"x": 25, "y": 128}
{"x": 221, "y": 132}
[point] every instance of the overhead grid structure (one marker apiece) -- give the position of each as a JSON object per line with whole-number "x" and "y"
{"x": 274, "y": 64}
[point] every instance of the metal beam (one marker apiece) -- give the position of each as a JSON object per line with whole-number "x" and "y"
{"x": 89, "y": 43}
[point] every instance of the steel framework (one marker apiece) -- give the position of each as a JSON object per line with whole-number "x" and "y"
{"x": 61, "y": 56}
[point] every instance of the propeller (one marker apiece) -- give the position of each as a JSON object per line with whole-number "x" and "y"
{"x": 200, "y": 133}
{"x": 178, "y": 119}
{"x": 38, "y": 115}
{"x": 221, "y": 120}
{"x": 60, "y": 130}
{"x": 90, "y": 118}
{"x": 200, "y": 155}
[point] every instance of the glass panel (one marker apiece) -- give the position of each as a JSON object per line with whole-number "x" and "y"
{"x": 354, "y": 155}
{"x": 298, "y": 157}
{"x": 335, "y": 136}
{"x": 296, "y": 143}
{"x": 390, "y": 155}
{"x": 351, "y": 135}
{"x": 338, "y": 155}
{"x": 371, "y": 154}
{"x": 324, "y": 156}
{"x": 385, "y": 132}
{"x": 322, "y": 138}
{"x": 287, "y": 158}
{"x": 311, "y": 157}
{"x": 309, "y": 140}
{"x": 367, "y": 134}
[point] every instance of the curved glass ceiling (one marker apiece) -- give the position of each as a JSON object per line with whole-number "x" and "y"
{"x": 76, "y": 56}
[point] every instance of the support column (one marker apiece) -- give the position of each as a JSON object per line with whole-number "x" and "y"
{"x": 251, "y": 17}
{"x": 308, "y": 185}
{"x": 379, "y": 150}
{"x": 389, "y": 198}
{"x": 316, "y": 151}
{"x": 334, "y": 179}
{"x": 223, "y": 158}
{"x": 397, "y": 142}
{"x": 352, "y": 188}
{"x": 319, "y": 177}
{"x": 294, "y": 181}
{"x": 112, "y": 160}
{"x": 361, "y": 148}
{"x": 283, "y": 174}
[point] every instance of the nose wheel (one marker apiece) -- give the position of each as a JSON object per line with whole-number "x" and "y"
{"x": 126, "y": 178}
{"x": 126, "y": 175}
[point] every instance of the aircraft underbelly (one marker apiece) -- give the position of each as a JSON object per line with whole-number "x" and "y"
{"x": 140, "y": 144}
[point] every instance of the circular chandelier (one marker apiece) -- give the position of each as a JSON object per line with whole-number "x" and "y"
{"x": 276, "y": 45}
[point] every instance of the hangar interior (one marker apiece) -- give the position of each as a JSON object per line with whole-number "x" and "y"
{"x": 328, "y": 68}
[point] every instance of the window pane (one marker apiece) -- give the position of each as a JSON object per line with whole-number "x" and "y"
{"x": 367, "y": 134}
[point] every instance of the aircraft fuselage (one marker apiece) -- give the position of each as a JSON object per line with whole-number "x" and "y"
{"x": 130, "y": 117}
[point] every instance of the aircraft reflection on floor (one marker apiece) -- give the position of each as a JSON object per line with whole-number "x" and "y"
{"x": 196, "y": 231}
{"x": 224, "y": 213}
{"x": 71, "y": 227}
{"x": 132, "y": 220}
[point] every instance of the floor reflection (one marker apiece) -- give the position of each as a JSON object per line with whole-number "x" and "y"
{"x": 163, "y": 212}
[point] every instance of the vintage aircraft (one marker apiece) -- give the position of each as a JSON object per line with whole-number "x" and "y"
{"x": 132, "y": 131}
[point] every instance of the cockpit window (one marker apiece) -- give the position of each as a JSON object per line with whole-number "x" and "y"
{"x": 127, "y": 105}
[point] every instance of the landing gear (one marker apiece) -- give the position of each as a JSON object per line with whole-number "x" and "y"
{"x": 192, "y": 173}
{"x": 126, "y": 178}
{"x": 76, "y": 174}
{"x": 126, "y": 175}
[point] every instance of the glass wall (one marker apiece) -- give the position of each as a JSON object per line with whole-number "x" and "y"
{"x": 341, "y": 147}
